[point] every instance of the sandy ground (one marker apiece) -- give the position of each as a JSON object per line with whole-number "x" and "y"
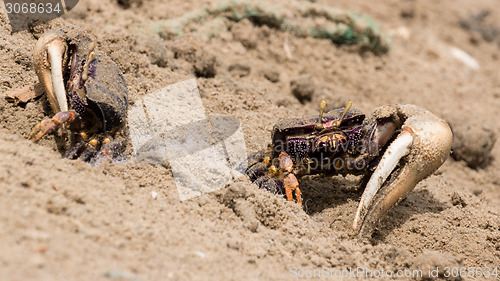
{"x": 64, "y": 219}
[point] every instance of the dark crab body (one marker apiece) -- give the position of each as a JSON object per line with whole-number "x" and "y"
{"x": 95, "y": 88}
{"x": 304, "y": 143}
{"x": 352, "y": 147}
{"x": 106, "y": 93}
{"x": 398, "y": 146}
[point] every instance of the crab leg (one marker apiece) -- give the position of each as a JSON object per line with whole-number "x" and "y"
{"x": 421, "y": 148}
{"x": 291, "y": 185}
{"x": 50, "y": 56}
{"x": 48, "y": 125}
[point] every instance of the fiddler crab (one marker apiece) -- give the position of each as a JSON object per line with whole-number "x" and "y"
{"x": 70, "y": 69}
{"x": 397, "y": 147}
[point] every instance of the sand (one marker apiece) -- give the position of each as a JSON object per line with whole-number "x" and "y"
{"x": 65, "y": 219}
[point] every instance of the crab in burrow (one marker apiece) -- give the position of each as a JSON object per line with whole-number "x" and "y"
{"x": 397, "y": 147}
{"x": 97, "y": 93}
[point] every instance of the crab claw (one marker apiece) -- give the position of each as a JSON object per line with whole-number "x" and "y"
{"x": 421, "y": 148}
{"x": 49, "y": 59}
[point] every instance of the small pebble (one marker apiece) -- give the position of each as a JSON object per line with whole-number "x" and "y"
{"x": 456, "y": 200}
{"x": 272, "y": 75}
{"x": 303, "y": 88}
{"x": 205, "y": 65}
{"x": 201, "y": 254}
{"x": 240, "y": 70}
{"x": 154, "y": 194}
{"x": 3, "y": 44}
{"x": 473, "y": 144}
{"x": 243, "y": 31}
{"x": 122, "y": 275}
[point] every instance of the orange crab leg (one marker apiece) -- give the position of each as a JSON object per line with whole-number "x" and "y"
{"x": 291, "y": 184}
{"x": 298, "y": 195}
{"x": 48, "y": 125}
{"x": 290, "y": 181}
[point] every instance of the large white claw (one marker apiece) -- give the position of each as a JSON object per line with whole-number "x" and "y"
{"x": 49, "y": 59}
{"x": 421, "y": 148}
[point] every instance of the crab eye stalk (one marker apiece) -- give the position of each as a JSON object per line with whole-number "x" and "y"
{"x": 90, "y": 58}
{"x": 347, "y": 107}
{"x": 331, "y": 124}
{"x": 319, "y": 125}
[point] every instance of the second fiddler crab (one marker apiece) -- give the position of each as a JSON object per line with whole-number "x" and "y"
{"x": 70, "y": 69}
{"x": 397, "y": 147}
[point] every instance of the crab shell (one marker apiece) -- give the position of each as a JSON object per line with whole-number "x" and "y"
{"x": 106, "y": 93}
{"x": 304, "y": 127}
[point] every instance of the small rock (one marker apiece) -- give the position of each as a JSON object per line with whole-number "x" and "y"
{"x": 254, "y": 226}
{"x": 472, "y": 143}
{"x": 21, "y": 57}
{"x": 154, "y": 194}
{"x": 3, "y": 44}
{"x": 240, "y": 70}
{"x": 477, "y": 191}
{"x": 233, "y": 192}
{"x": 184, "y": 49}
{"x": 244, "y": 32}
{"x": 456, "y": 199}
{"x": 41, "y": 249}
{"x": 121, "y": 275}
{"x": 272, "y": 75}
{"x": 465, "y": 58}
{"x": 127, "y": 4}
{"x": 233, "y": 244}
{"x": 205, "y": 65}
{"x": 407, "y": 12}
{"x": 155, "y": 49}
{"x": 303, "y": 88}
{"x": 200, "y": 254}
{"x": 285, "y": 102}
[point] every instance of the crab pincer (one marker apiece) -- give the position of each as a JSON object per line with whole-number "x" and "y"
{"x": 421, "y": 147}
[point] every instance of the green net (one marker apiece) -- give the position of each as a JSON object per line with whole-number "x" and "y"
{"x": 299, "y": 18}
